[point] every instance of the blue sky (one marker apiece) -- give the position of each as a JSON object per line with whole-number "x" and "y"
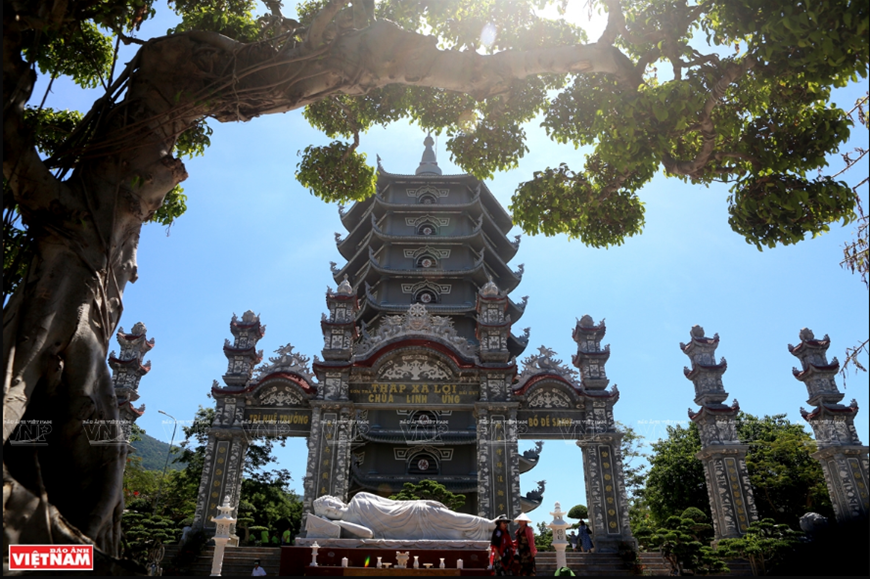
{"x": 253, "y": 238}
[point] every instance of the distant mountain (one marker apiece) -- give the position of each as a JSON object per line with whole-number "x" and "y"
{"x": 153, "y": 453}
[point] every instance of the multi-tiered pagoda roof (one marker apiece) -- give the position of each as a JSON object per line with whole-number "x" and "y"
{"x": 432, "y": 239}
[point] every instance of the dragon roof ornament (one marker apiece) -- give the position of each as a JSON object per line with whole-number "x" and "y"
{"x": 344, "y": 288}
{"x": 489, "y": 289}
{"x": 416, "y": 321}
{"x": 287, "y": 361}
{"x": 545, "y": 362}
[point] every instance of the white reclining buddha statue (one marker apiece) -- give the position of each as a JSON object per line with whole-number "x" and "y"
{"x": 369, "y": 516}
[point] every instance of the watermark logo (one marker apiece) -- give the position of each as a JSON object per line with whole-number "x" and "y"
{"x": 421, "y": 427}
{"x": 652, "y": 429}
{"x": 51, "y": 557}
{"x": 174, "y": 428}
{"x": 107, "y": 432}
{"x": 30, "y": 433}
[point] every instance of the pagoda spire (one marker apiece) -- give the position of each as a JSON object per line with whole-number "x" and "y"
{"x": 591, "y": 357}
{"x": 429, "y": 163}
{"x": 493, "y": 323}
{"x": 723, "y": 455}
{"x": 843, "y": 458}
{"x": 242, "y": 355}
{"x": 339, "y": 329}
{"x": 127, "y": 370}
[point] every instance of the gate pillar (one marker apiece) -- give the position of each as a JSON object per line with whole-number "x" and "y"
{"x": 605, "y": 491}
{"x": 843, "y": 458}
{"x": 497, "y": 460}
{"x": 221, "y": 475}
{"x": 329, "y": 447}
{"x": 602, "y": 453}
{"x": 732, "y": 502}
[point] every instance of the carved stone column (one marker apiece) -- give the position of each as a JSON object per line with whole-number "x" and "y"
{"x": 227, "y": 439}
{"x": 497, "y": 460}
{"x": 513, "y": 461}
{"x": 484, "y": 473}
{"x": 606, "y": 497}
{"x": 222, "y": 475}
{"x": 310, "y": 483}
{"x": 605, "y": 491}
{"x": 731, "y": 498}
{"x": 329, "y": 446}
{"x": 843, "y": 458}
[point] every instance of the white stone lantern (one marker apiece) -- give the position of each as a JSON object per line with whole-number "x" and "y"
{"x": 560, "y": 541}
{"x": 314, "y": 548}
{"x": 224, "y": 522}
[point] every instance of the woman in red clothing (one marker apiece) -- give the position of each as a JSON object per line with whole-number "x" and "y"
{"x": 501, "y": 556}
{"x": 526, "y": 550}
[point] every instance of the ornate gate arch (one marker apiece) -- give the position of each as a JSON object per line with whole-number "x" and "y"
{"x": 558, "y": 402}
{"x": 408, "y": 390}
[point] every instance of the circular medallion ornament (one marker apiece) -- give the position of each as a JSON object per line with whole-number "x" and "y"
{"x": 426, "y": 298}
{"x": 427, "y": 262}
{"x": 428, "y": 230}
{"x": 423, "y": 464}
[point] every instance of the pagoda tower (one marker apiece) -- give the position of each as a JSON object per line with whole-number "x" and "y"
{"x": 430, "y": 239}
{"x": 426, "y": 276}
{"x": 843, "y": 458}
{"x": 731, "y": 498}
{"x": 127, "y": 370}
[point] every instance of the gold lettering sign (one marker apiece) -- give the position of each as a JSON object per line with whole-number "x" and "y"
{"x": 278, "y": 422}
{"x": 404, "y": 394}
{"x": 556, "y": 422}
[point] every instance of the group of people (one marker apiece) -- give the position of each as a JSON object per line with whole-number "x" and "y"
{"x": 581, "y": 540}
{"x": 515, "y": 555}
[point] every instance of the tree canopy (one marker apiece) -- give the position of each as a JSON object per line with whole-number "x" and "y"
{"x": 765, "y": 544}
{"x": 578, "y": 512}
{"x": 169, "y": 503}
{"x": 430, "y": 490}
{"x": 683, "y": 540}
{"x": 787, "y": 481}
{"x": 707, "y": 91}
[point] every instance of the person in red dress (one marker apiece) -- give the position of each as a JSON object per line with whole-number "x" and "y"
{"x": 501, "y": 556}
{"x": 525, "y": 542}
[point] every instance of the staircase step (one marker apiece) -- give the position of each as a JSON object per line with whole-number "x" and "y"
{"x": 238, "y": 561}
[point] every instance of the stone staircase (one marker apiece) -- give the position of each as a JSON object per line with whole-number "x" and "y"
{"x": 610, "y": 564}
{"x": 654, "y": 564}
{"x": 605, "y": 564}
{"x": 738, "y": 567}
{"x": 240, "y": 561}
{"x": 237, "y": 560}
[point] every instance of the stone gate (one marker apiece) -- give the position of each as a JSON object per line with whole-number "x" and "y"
{"x": 419, "y": 376}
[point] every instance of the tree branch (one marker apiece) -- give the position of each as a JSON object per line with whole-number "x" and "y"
{"x": 705, "y": 125}
{"x": 321, "y": 21}
{"x": 353, "y": 124}
{"x": 33, "y": 186}
{"x": 614, "y": 10}
{"x": 390, "y": 55}
{"x": 357, "y": 62}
